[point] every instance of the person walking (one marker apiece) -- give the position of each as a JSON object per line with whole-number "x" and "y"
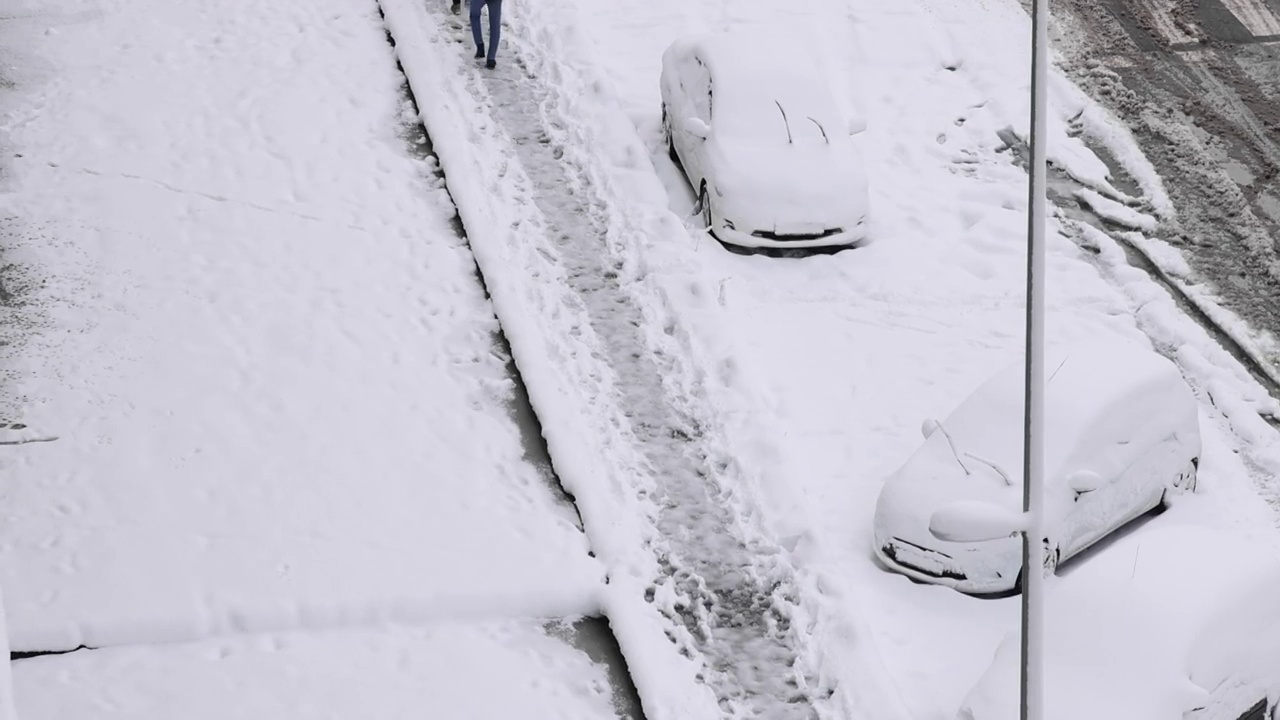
{"x": 495, "y": 29}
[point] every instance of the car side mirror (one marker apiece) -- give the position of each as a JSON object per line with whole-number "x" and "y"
{"x": 975, "y": 521}
{"x": 857, "y": 125}
{"x": 929, "y": 427}
{"x": 1083, "y": 481}
{"x": 696, "y": 127}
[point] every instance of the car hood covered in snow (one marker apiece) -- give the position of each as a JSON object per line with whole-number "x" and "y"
{"x": 788, "y": 187}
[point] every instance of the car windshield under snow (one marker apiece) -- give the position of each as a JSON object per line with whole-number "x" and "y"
{"x": 780, "y": 118}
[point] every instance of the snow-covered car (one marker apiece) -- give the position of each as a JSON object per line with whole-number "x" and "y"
{"x": 759, "y": 136}
{"x": 1171, "y": 623}
{"x": 1121, "y": 438}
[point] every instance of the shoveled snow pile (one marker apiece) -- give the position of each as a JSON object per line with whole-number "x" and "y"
{"x": 1116, "y": 212}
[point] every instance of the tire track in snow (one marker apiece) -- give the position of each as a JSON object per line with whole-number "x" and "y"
{"x": 728, "y": 591}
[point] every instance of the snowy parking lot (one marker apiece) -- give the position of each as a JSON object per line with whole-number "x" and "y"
{"x": 269, "y": 332}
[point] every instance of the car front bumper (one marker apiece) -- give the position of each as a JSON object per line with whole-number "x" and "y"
{"x": 937, "y": 568}
{"x": 726, "y": 231}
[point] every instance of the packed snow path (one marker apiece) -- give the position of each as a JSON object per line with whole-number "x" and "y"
{"x": 734, "y": 590}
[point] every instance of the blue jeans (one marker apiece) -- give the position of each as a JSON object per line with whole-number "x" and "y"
{"x": 495, "y": 25}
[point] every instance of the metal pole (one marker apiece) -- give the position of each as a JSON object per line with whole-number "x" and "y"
{"x": 1033, "y": 441}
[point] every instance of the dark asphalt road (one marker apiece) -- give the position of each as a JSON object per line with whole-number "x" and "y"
{"x": 1198, "y": 82}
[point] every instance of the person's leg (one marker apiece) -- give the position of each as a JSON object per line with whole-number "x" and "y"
{"x": 475, "y": 26}
{"x": 495, "y": 28}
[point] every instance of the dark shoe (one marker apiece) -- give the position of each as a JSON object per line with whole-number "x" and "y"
{"x": 491, "y": 64}
{"x": 479, "y": 52}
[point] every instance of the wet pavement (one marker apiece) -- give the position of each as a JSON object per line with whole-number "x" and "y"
{"x": 1198, "y": 82}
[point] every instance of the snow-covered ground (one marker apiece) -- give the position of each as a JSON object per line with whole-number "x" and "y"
{"x": 277, "y": 400}
{"x": 274, "y": 377}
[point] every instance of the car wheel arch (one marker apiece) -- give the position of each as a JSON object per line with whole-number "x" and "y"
{"x": 669, "y": 136}
{"x": 1181, "y": 485}
{"x": 1052, "y": 558}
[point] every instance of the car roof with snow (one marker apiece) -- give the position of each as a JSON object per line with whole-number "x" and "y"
{"x": 1167, "y": 620}
{"x": 751, "y": 72}
{"x": 743, "y": 60}
{"x": 1095, "y": 393}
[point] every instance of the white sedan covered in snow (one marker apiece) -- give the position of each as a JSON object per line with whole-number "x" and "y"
{"x": 1121, "y": 436}
{"x": 763, "y": 144}
{"x": 1172, "y": 623}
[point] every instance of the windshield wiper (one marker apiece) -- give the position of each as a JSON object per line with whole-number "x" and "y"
{"x": 824, "y": 130}
{"x": 784, "y": 120}
{"x": 952, "y": 444}
{"x": 1007, "y": 480}
{"x": 955, "y": 452}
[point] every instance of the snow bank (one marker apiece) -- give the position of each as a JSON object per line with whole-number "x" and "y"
{"x": 1209, "y": 368}
{"x": 1102, "y": 127}
{"x": 1116, "y": 212}
{"x": 490, "y": 671}
{"x": 1165, "y": 257}
{"x": 275, "y": 379}
{"x": 1259, "y": 345}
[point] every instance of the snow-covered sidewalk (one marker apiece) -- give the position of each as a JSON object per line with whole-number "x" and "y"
{"x": 275, "y": 379}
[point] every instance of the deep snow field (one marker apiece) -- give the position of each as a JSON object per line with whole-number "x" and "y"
{"x": 287, "y": 482}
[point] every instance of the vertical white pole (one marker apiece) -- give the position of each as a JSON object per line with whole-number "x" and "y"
{"x": 7, "y": 711}
{"x": 1033, "y": 443}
